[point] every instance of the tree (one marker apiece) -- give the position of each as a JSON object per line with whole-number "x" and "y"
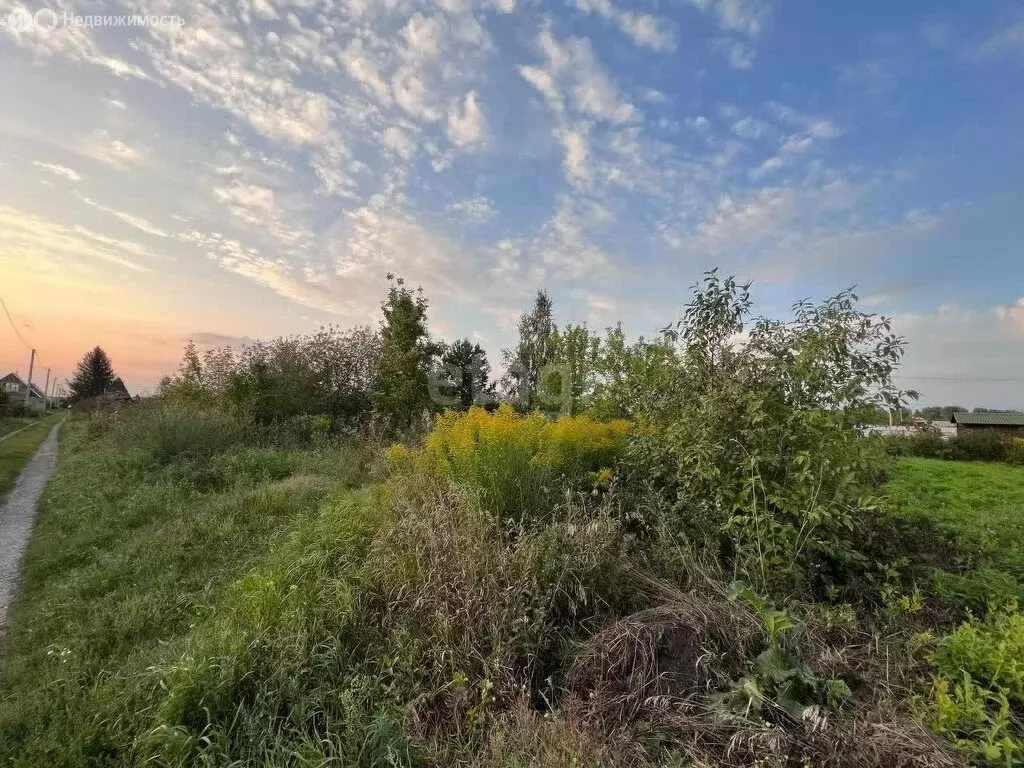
{"x": 401, "y": 388}
{"x": 753, "y": 439}
{"x": 533, "y": 352}
{"x": 465, "y": 374}
{"x": 575, "y": 350}
{"x": 94, "y": 375}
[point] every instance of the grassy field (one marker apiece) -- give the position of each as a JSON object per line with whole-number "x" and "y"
{"x": 195, "y": 597}
{"x": 16, "y": 451}
{"x": 136, "y": 568}
{"x": 976, "y": 506}
{"x": 9, "y": 424}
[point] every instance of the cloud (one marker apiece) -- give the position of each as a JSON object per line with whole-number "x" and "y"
{"x": 1004, "y": 40}
{"x": 466, "y": 122}
{"x": 65, "y": 247}
{"x": 739, "y": 55}
{"x": 137, "y": 222}
{"x": 58, "y": 170}
{"x": 576, "y": 143}
{"x": 258, "y": 208}
{"x": 644, "y": 29}
{"x": 1013, "y": 315}
{"x": 100, "y": 145}
{"x": 72, "y": 42}
{"x": 965, "y": 356}
{"x": 478, "y": 208}
{"x": 742, "y": 22}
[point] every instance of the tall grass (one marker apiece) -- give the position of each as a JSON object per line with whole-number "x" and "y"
{"x": 247, "y": 605}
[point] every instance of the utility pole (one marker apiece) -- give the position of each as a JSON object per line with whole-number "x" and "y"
{"x": 46, "y": 392}
{"x": 28, "y": 389}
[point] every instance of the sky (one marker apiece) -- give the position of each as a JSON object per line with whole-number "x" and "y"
{"x": 239, "y": 169}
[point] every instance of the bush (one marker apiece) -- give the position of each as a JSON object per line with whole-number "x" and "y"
{"x": 978, "y": 445}
{"x": 162, "y": 432}
{"x": 927, "y": 445}
{"x": 753, "y": 444}
{"x": 1015, "y": 452}
{"x": 520, "y": 463}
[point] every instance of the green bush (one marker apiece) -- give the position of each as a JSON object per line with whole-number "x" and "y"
{"x": 978, "y": 445}
{"x": 927, "y": 445}
{"x": 755, "y": 444}
{"x": 1015, "y": 452}
{"x": 163, "y": 432}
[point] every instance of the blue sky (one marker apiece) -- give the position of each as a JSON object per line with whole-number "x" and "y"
{"x": 258, "y": 167}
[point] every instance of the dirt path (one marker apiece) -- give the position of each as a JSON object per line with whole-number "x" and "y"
{"x": 17, "y": 515}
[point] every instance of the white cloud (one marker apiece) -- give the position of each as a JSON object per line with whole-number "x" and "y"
{"x": 745, "y": 17}
{"x": 1013, "y": 315}
{"x": 770, "y": 165}
{"x": 1004, "y": 40}
{"x": 66, "y": 246}
{"x": 400, "y": 141}
{"x": 423, "y": 37}
{"x": 100, "y": 145}
{"x": 137, "y": 222}
{"x": 412, "y": 94}
{"x": 739, "y": 55}
{"x": 467, "y": 124}
{"x": 964, "y": 356}
{"x": 72, "y": 42}
{"x": 750, "y": 128}
{"x": 258, "y": 208}
{"x": 479, "y": 208}
{"x": 58, "y": 170}
{"x": 545, "y": 83}
{"x": 576, "y": 143}
{"x": 644, "y": 29}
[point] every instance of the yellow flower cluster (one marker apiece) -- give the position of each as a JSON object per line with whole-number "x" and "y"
{"x": 573, "y": 444}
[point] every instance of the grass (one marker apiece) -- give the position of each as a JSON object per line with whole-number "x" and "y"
{"x": 16, "y": 451}
{"x": 978, "y": 507}
{"x": 191, "y": 599}
{"x": 9, "y": 424}
{"x": 132, "y": 569}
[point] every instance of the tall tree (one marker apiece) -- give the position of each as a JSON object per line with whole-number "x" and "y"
{"x": 533, "y": 352}
{"x": 400, "y": 389}
{"x": 94, "y": 375}
{"x": 465, "y": 374}
{"x": 575, "y": 349}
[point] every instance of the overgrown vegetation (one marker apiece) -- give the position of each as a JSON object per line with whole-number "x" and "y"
{"x": 981, "y": 445}
{"x": 690, "y": 559}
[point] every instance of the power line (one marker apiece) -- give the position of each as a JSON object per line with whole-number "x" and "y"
{"x": 11, "y": 320}
{"x": 960, "y": 379}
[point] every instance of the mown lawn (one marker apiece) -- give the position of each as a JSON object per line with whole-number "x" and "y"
{"x": 976, "y": 506}
{"x": 16, "y": 451}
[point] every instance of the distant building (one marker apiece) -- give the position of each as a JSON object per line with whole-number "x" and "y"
{"x": 15, "y": 388}
{"x": 1008, "y": 423}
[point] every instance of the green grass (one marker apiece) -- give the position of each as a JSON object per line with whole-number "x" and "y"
{"x": 16, "y": 451}
{"x": 978, "y": 507}
{"x": 9, "y": 424}
{"x": 136, "y": 577}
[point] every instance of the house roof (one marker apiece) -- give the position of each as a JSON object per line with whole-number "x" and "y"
{"x": 14, "y": 378}
{"x": 989, "y": 419}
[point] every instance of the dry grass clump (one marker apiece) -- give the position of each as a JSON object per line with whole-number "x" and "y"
{"x": 694, "y": 643}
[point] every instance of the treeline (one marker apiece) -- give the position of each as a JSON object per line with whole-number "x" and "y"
{"x": 399, "y": 373}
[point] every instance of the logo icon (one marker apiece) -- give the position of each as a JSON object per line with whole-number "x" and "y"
{"x": 45, "y": 19}
{"x": 19, "y": 19}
